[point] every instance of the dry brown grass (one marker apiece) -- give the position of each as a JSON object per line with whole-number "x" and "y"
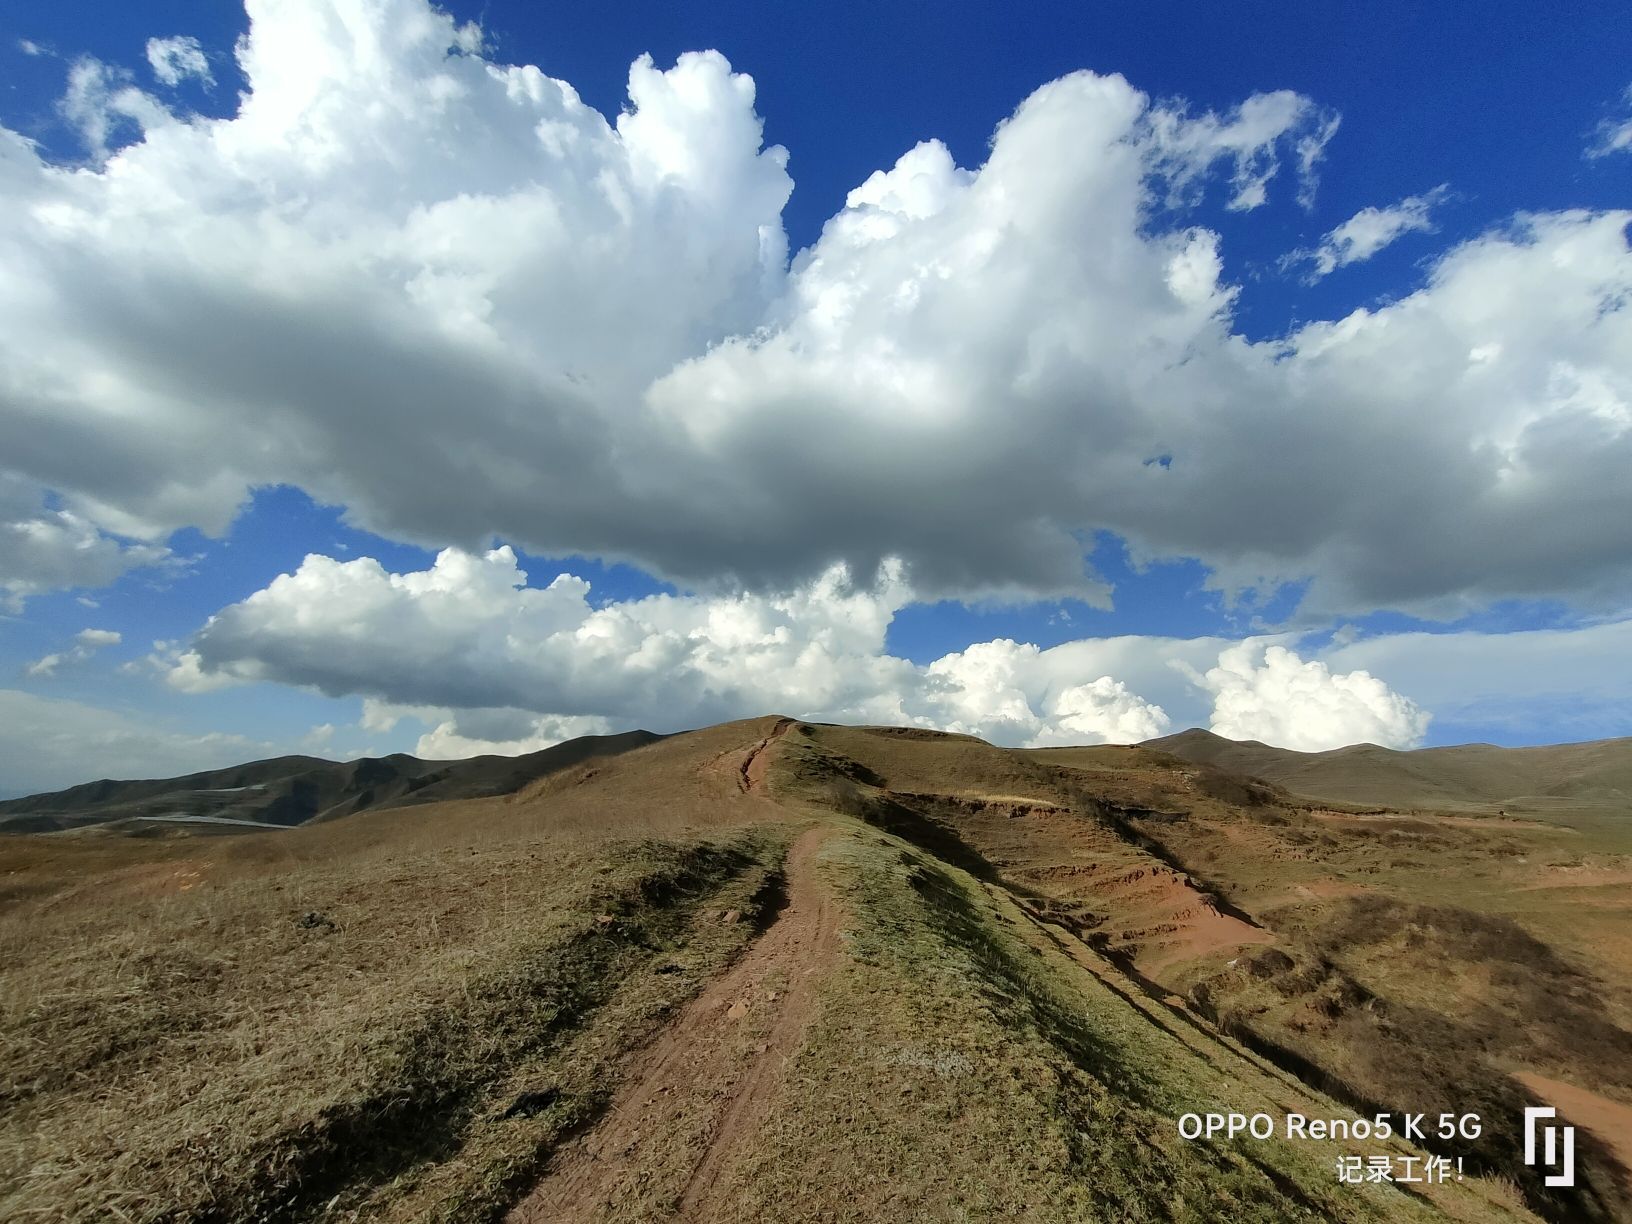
{"x": 1393, "y": 1004}
{"x": 400, "y": 1015}
{"x": 970, "y": 1062}
{"x": 288, "y": 1024}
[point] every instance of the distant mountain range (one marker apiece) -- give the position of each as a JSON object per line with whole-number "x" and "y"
{"x": 1595, "y": 774}
{"x": 294, "y": 790}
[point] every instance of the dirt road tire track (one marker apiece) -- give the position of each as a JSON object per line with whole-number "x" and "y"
{"x": 667, "y": 1088}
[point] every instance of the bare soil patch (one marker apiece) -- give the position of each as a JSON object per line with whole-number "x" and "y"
{"x": 1610, "y": 1121}
{"x": 757, "y": 762}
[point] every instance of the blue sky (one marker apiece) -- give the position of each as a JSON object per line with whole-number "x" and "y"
{"x": 1188, "y": 468}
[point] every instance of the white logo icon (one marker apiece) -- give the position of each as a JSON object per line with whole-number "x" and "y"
{"x": 1549, "y": 1138}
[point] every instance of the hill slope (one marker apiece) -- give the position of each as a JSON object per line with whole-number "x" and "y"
{"x": 774, "y": 970}
{"x": 293, "y": 790}
{"x": 1596, "y": 774}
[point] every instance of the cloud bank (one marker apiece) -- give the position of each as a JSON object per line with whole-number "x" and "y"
{"x": 1265, "y": 692}
{"x": 1575, "y": 681}
{"x": 494, "y": 665}
{"x": 442, "y": 292}
{"x": 48, "y": 743}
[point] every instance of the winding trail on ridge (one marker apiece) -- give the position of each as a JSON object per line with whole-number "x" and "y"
{"x": 751, "y": 773}
{"x": 692, "y": 1098}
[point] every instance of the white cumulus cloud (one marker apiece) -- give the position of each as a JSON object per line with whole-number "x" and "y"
{"x": 1614, "y": 133}
{"x": 1369, "y": 231}
{"x": 442, "y": 292}
{"x": 1265, "y": 692}
{"x": 86, "y": 643}
{"x": 1015, "y": 693}
{"x": 500, "y": 666}
{"x": 104, "y": 107}
{"x": 177, "y": 59}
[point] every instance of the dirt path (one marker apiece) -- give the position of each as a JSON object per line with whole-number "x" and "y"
{"x": 1610, "y": 1120}
{"x": 667, "y": 1144}
{"x": 751, "y": 773}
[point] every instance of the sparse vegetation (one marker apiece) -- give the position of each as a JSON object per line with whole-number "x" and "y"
{"x": 254, "y": 1068}
{"x": 965, "y": 1066}
{"x": 417, "y": 1014}
{"x": 183, "y": 1041}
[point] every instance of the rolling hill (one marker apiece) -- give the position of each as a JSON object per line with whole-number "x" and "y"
{"x": 1596, "y": 774}
{"x": 776, "y": 970}
{"x": 295, "y": 790}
